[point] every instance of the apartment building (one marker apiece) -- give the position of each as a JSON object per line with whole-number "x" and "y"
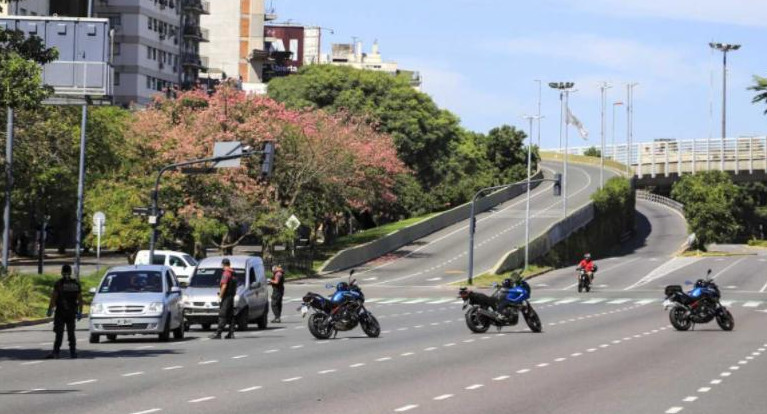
{"x": 236, "y": 48}
{"x": 25, "y": 8}
{"x": 351, "y": 54}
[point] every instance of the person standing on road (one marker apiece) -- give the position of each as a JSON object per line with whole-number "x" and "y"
{"x": 278, "y": 291}
{"x": 67, "y": 299}
{"x": 228, "y": 290}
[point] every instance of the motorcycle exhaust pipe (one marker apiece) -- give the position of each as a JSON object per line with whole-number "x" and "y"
{"x": 487, "y": 314}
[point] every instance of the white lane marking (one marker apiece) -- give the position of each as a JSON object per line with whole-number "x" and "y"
{"x": 545, "y": 364}
{"x": 145, "y": 347}
{"x": 373, "y": 300}
{"x": 567, "y": 300}
{"x": 704, "y": 389}
{"x": 440, "y": 301}
{"x": 577, "y": 354}
{"x": 14, "y": 347}
{"x": 433, "y": 279}
{"x": 31, "y": 363}
{"x": 368, "y": 279}
{"x": 523, "y": 371}
{"x": 591, "y": 350}
{"x": 734, "y": 368}
{"x": 752, "y": 304}
{"x": 239, "y": 357}
{"x": 763, "y": 287}
{"x": 296, "y": 346}
{"x": 674, "y": 410}
{"x": 449, "y": 344}
{"x": 501, "y": 378}
{"x": 407, "y": 354}
{"x": 392, "y": 300}
{"x": 152, "y": 410}
{"x": 406, "y": 408}
{"x": 646, "y": 301}
{"x": 443, "y": 397}
{"x": 542, "y": 300}
{"x": 133, "y": 374}
{"x": 249, "y": 389}
{"x": 173, "y": 367}
{"x": 326, "y": 371}
{"x": 291, "y": 379}
{"x": 270, "y": 351}
{"x": 666, "y": 268}
{"x": 357, "y": 365}
{"x": 203, "y": 399}
{"x": 474, "y": 387}
{"x": 619, "y": 301}
{"x": 560, "y": 359}
{"x": 83, "y": 382}
{"x": 212, "y": 361}
{"x": 418, "y": 300}
{"x": 431, "y": 348}
{"x": 719, "y": 273}
{"x": 690, "y": 398}
{"x": 716, "y": 382}
{"x": 594, "y": 301}
{"x": 31, "y": 391}
{"x": 383, "y": 359}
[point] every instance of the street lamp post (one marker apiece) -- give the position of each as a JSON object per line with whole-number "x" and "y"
{"x": 617, "y": 103}
{"x": 603, "y": 87}
{"x": 530, "y": 118}
{"x": 564, "y": 96}
{"x": 539, "y": 111}
{"x": 724, "y": 48}
{"x": 630, "y": 124}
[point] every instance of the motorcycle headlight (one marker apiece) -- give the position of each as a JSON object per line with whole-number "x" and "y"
{"x": 97, "y": 309}
{"x": 155, "y": 308}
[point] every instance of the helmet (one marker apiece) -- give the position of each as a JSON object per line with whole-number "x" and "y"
{"x": 587, "y": 256}
{"x": 342, "y": 286}
{"x": 507, "y": 284}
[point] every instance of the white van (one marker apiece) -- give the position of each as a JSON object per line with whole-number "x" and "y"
{"x": 182, "y": 264}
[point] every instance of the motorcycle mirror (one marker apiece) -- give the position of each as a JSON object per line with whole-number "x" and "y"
{"x": 688, "y": 282}
{"x": 353, "y": 282}
{"x": 328, "y": 286}
{"x": 495, "y": 284}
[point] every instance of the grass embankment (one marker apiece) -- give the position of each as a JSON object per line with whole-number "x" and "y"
{"x": 700, "y": 253}
{"x": 365, "y": 236}
{"x": 25, "y": 297}
{"x": 487, "y": 279}
{"x": 582, "y": 159}
{"x": 757, "y": 243}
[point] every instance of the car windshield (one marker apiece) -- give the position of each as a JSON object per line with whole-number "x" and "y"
{"x": 203, "y": 278}
{"x": 133, "y": 281}
{"x": 190, "y": 260}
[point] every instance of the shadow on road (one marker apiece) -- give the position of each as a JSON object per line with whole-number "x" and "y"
{"x": 35, "y": 354}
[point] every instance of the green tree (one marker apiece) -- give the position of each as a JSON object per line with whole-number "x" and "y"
{"x": 760, "y": 87}
{"x": 593, "y": 152}
{"x": 712, "y": 206}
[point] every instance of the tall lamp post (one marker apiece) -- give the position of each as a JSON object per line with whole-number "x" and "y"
{"x": 630, "y": 124}
{"x": 539, "y": 111}
{"x": 530, "y": 118}
{"x": 564, "y": 96}
{"x": 603, "y": 87}
{"x": 724, "y": 48}
{"x": 615, "y": 104}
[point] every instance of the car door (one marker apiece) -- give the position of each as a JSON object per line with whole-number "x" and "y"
{"x": 178, "y": 265}
{"x": 173, "y": 299}
{"x": 251, "y": 294}
{"x": 263, "y": 292}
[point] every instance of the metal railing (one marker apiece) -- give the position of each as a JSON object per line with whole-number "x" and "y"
{"x": 79, "y": 78}
{"x": 666, "y": 157}
{"x": 655, "y": 198}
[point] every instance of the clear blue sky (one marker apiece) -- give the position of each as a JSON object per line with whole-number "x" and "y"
{"x": 479, "y": 58}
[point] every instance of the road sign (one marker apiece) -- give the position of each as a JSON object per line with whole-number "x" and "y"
{"x": 99, "y": 230}
{"x": 141, "y": 211}
{"x": 99, "y": 217}
{"x": 225, "y": 149}
{"x": 293, "y": 222}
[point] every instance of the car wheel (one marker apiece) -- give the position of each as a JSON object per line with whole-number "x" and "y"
{"x": 178, "y": 333}
{"x": 263, "y": 321}
{"x": 164, "y": 336}
{"x": 112, "y": 337}
{"x": 206, "y": 326}
{"x": 242, "y": 320}
{"x": 94, "y": 339}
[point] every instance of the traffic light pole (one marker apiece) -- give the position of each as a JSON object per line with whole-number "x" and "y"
{"x": 154, "y": 213}
{"x": 473, "y": 222}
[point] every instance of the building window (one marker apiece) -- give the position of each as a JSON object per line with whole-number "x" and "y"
{"x": 148, "y": 52}
{"x": 116, "y": 49}
{"x": 117, "y": 78}
{"x": 154, "y": 54}
{"x": 148, "y": 82}
{"x": 149, "y": 23}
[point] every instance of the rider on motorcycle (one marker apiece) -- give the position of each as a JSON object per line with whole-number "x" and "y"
{"x": 588, "y": 266}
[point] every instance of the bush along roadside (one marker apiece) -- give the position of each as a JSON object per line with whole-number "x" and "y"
{"x": 614, "y": 210}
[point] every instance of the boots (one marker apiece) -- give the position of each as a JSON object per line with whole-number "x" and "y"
{"x": 53, "y": 355}
{"x": 72, "y": 353}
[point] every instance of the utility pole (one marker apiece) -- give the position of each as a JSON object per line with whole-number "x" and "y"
{"x": 564, "y": 95}
{"x": 603, "y": 87}
{"x": 724, "y": 48}
{"x": 529, "y": 177}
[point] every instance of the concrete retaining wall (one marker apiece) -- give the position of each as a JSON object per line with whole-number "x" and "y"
{"x": 355, "y": 256}
{"x": 541, "y": 245}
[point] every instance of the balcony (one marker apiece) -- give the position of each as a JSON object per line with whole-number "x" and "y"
{"x": 197, "y": 6}
{"x": 195, "y": 61}
{"x": 196, "y": 33}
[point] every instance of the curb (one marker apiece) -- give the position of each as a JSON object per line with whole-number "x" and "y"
{"x": 32, "y": 322}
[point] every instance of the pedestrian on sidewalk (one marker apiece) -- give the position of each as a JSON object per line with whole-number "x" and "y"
{"x": 67, "y": 300}
{"x": 278, "y": 291}
{"x": 227, "y": 291}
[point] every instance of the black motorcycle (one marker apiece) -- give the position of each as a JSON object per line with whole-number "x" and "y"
{"x": 584, "y": 281}
{"x": 485, "y": 310}
{"x": 342, "y": 311}
{"x": 699, "y": 305}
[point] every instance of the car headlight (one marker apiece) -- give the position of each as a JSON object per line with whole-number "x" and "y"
{"x": 155, "y": 308}
{"x": 97, "y": 309}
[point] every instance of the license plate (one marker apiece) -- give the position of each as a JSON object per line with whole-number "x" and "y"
{"x": 304, "y": 310}
{"x": 124, "y": 322}
{"x": 667, "y": 304}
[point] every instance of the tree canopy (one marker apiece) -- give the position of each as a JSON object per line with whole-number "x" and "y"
{"x": 20, "y": 71}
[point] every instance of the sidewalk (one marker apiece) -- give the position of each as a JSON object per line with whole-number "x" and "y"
{"x": 53, "y": 262}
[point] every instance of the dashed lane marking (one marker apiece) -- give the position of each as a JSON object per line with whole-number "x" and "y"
{"x": 249, "y": 389}
{"x": 203, "y": 399}
{"x": 406, "y": 408}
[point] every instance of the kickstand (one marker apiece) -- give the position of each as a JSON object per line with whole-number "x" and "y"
{"x": 693, "y": 326}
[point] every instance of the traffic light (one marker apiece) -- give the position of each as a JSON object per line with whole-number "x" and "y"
{"x": 557, "y": 184}
{"x": 267, "y": 160}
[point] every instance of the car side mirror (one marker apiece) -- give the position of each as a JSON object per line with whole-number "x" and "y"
{"x": 174, "y": 289}
{"x": 92, "y": 290}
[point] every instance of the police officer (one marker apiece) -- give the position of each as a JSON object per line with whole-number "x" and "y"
{"x": 226, "y": 294}
{"x": 278, "y": 291}
{"x": 67, "y": 299}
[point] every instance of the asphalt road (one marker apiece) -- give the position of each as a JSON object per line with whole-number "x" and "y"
{"x": 442, "y": 257}
{"x": 609, "y": 351}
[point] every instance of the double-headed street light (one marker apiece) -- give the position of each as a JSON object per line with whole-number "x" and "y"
{"x": 724, "y": 48}
{"x": 564, "y": 95}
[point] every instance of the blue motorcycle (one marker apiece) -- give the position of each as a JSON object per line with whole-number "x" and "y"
{"x": 342, "y": 311}
{"x": 699, "y": 305}
{"x": 500, "y": 309}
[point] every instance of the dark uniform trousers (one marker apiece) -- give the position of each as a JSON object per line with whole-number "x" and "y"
{"x": 277, "y": 302}
{"x": 226, "y": 315}
{"x": 61, "y": 319}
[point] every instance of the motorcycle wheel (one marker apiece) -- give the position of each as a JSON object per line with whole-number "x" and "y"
{"x": 725, "y": 320}
{"x": 533, "y": 320}
{"x": 588, "y": 287}
{"x": 319, "y": 327}
{"x": 580, "y": 286}
{"x": 680, "y": 323}
{"x": 476, "y": 322}
{"x": 370, "y": 326}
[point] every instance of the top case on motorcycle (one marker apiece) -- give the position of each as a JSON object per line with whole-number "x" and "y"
{"x": 671, "y": 289}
